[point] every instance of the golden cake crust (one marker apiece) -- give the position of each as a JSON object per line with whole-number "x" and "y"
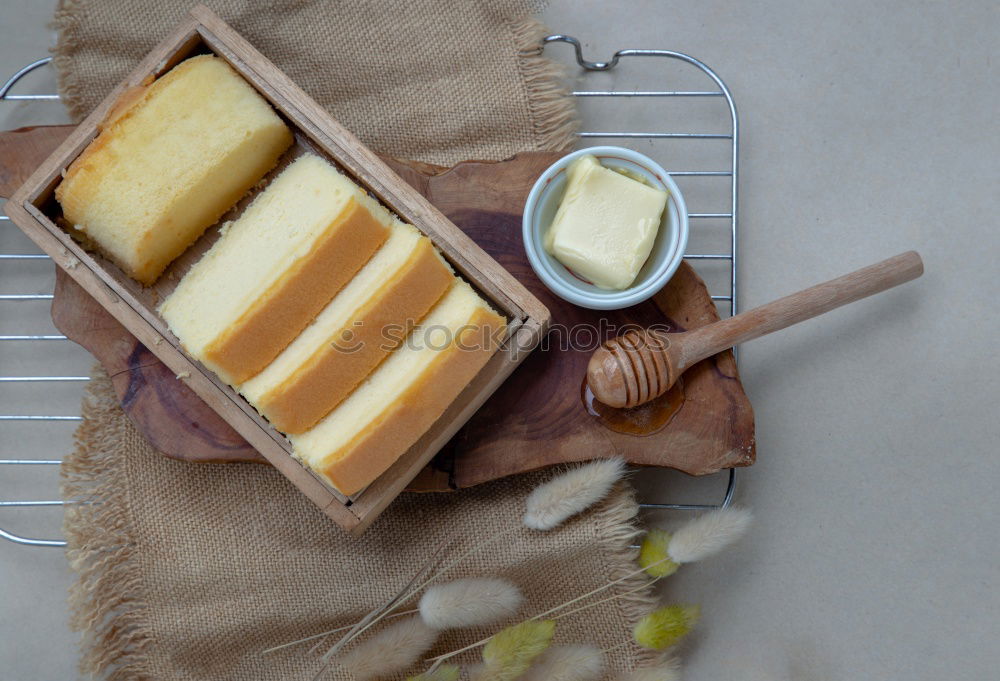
{"x": 269, "y": 326}
{"x": 375, "y": 448}
{"x": 330, "y": 374}
{"x": 143, "y": 246}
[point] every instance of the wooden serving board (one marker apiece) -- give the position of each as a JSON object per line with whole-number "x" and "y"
{"x": 537, "y": 417}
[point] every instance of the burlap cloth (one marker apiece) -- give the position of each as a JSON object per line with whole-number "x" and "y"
{"x": 189, "y": 571}
{"x": 440, "y": 81}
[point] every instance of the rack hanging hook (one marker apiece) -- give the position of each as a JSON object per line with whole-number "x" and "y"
{"x": 578, "y": 48}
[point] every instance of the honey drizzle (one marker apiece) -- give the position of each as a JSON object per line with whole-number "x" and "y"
{"x": 644, "y": 420}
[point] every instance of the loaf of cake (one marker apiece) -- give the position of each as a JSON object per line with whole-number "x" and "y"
{"x": 275, "y": 268}
{"x": 396, "y": 404}
{"x": 169, "y": 161}
{"x": 360, "y": 326}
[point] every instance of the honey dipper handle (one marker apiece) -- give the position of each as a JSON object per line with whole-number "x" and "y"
{"x": 798, "y": 307}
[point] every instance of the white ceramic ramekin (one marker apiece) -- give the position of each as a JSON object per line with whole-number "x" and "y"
{"x": 664, "y": 259}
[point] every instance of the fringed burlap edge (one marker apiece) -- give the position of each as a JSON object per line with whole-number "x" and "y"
{"x": 106, "y": 600}
{"x": 614, "y": 523}
{"x": 66, "y": 23}
{"x": 553, "y": 112}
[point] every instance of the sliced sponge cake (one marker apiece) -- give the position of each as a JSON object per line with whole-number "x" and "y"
{"x": 299, "y": 242}
{"x": 367, "y": 432}
{"x": 359, "y": 327}
{"x": 173, "y": 158}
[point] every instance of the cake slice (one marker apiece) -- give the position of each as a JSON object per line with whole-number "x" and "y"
{"x": 360, "y": 326}
{"x": 389, "y": 411}
{"x": 170, "y": 160}
{"x": 274, "y": 268}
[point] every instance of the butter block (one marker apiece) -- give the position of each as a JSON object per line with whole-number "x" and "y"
{"x": 169, "y": 161}
{"x": 367, "y": 432}
{"x": 274, "y": 268}
{"x": 359, "y": 327}
{"x": 605, "y": 225}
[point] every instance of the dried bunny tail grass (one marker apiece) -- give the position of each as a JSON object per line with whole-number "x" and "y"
{"x": 446, "y": 672}
{"x": 384, "y": 610}
{"x": 669, "y": 670}
{"x": 391, "y": 650}
{"x": 512, "y": 650}
{"x": 552, "y": 503}
{"x": 567, "y": 663}
{"x": 469, "y": 603}
{"x": 666, "y": 626}
{"x": 708, "y": 534}
{"x": 653, "y": 556}
{"x": 324, "y": 634}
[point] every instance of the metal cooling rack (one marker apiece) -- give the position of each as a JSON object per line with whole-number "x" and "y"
{"x": 12, "y": 302}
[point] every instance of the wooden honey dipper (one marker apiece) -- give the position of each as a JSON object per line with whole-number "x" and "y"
{"x": 641, "y": 365}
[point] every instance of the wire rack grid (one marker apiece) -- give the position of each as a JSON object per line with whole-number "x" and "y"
{"x": 727, "y": 179}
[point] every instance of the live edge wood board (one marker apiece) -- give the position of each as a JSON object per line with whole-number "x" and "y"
{"x": 34, "y": 210}
{"x": 535, "y": 419}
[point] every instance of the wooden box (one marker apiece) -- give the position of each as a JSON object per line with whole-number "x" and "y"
{"x": 35, "y": 211}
